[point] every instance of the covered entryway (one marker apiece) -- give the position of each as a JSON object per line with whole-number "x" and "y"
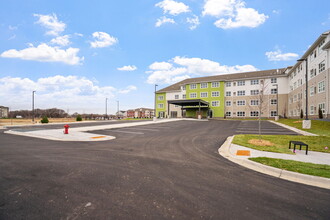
{"x": 192, "y": 108}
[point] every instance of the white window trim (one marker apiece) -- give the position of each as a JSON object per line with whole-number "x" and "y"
{"x": 204, "y": 87}
{"x": 218, "y": 84}
{"x": 195, "y": 85}
{"x": 214, "y": 95}
{"x": 190, "y": 95}
{"x": 207, "y": 94}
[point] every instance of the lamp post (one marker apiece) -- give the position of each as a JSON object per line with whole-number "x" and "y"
{"x": 306, "y": 122}
{"x": 33, "y": 92}
{"x": 117, "y": 109}
{"x": 276, "y": 85}
{"x": 106, "y": 108}
{"x": 155, "y": 103}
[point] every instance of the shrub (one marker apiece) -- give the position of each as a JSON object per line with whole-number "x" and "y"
{"x": 79, "y": 118}
{"x": 301, "y": 113}
{"x": 44, "y": 120}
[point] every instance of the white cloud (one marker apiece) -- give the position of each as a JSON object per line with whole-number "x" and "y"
{"x": 194, "y": 22}
{"x": 127, "y": 68}
{"x": 45, "y": 53}
{"x": 65, "y": 92}
{"x": 279, "y": 56}
{"x": 233, "y": 14}
{"x": 61, "y": 40}
{"x": 128, "y": 89}
{"x": 52, "y": 23}
{"x": 180, "y": 68}
{"x": 172, "y": 7}
{"x": 164, "y": 20}
{"x": 103, "y": 39}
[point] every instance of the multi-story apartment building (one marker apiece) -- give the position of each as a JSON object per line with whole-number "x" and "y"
{"x": 140, "y": 113}
{"x": 261, "y": 93}
{"x": 4, "y": 112}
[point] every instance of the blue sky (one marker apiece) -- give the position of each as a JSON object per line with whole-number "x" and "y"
{"x": 77, "y": 53}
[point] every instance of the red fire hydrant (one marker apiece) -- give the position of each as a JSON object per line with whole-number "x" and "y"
{"x": 66, "y": 129}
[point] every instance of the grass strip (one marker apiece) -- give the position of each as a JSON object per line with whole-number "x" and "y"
{"x": 321, "y": 170}
{"x": 318, "y": 127}
{"x": 281, "y": 142}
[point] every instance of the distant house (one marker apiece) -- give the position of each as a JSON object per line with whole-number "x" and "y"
{"x": 140, "y": 113}
{"x": 4, "y": 111}
{"x": 121, "y": 114}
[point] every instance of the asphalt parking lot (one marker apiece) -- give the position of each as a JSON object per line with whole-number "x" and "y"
{"x": 162, "y": 171}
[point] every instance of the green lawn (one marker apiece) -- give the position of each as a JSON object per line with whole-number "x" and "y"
{"x": 295, "y": 166}
{"x": 318, "y": 127}
{"x": 281, "y": 142}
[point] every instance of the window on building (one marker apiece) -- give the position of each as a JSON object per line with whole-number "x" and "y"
{"x": 295, "y": 98}
{"x": 254, "y": 92}
{"x": 228, "y": 93}
{"x": 241, "y": 83}
{"x": 228, "y": 103}
{"x": 204, "y": 94}
{"x": 184, "y": 96}
{"x": 241, "y": 102}
{"x": 254, "y": 113}
{"x": 254, "y": 102}
{"x": 241, "y": 93}
{"x": 322, "y": 66}
{"x": 228, "y": 114}
{"x": 294, "y": 85}
{"x": 312, "y": 112}
{"x": 193, "y": 86}
{"x": 215, "y": 84}
{"x": 273, "y": 113}
{"x": 183, "y": 87}
{"x": 312, "y": 90}
{"x": 273, "y": 101}
{"x": 215, "y": 94}
{"x": 228, "y": 84}
{"x": 321, "y": 86}
{"x": 312, "y": 73}
{"x": 273, "y": 80}
{"x": 241, "y": 114}
{"x": 255, "y": 82}
{"x": 273, "y": 91}
{"x": 176, "y": 97}
{"x": 160, "y": 97}
{"x": 160, "y": 105}
{"x": 215, "y": 103}
{"x": 203, "y": 85}
{"x": 322, "y": 107}
{"x": 193, "y": 95}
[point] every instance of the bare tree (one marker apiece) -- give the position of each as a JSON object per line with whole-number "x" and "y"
{"x": 262, "y": 103}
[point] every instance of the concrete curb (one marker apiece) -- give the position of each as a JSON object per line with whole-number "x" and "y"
{"x": 305, "y": 133}
{"x": 272, "y": 171}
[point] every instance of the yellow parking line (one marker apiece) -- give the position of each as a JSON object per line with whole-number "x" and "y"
{"x": 98, "y": 137}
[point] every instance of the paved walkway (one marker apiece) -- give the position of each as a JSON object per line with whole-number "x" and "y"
{"x": 80, "y": 134}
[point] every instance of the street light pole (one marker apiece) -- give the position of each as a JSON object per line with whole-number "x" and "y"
{"x": 33, "y": 92}
{"x": 106, "y": 108}
{"x": 306, "y": 122}
{"x": 155, "y": 102}
{"x": 276, "y": 99}
{"x": 306, "y": 78}
{"x": 117, "y": 109}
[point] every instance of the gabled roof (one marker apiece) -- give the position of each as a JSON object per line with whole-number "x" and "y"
{"x": 227, "y": 77}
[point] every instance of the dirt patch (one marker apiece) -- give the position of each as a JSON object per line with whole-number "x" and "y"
{"x": 297, "y": 122}
{"x": 261, "y": 142}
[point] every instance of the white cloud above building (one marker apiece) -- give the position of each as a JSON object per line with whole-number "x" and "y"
{"x": 164, "y": 20}
{"x": 61, "y": 40}
{"x": 51, "y": 22}
{"x": 103, "y": 39}
{"x": 45, "y": 53}
{"x": 233, "y": 14}
{"x": 180, "y": 68}
{"x": 127, "y": 68}
{"x": 278, "y": 55}
{"x": 173, "y": 7}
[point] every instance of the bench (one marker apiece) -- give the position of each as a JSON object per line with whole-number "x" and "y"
{"x": 299, "y": 143}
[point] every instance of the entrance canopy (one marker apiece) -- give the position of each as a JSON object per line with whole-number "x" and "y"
{"x": 189, "y": 102}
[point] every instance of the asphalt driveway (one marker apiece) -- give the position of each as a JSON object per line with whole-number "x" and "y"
{"x": 164, "y": 171}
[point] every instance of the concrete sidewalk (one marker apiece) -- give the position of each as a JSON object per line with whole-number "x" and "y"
{"x": 229, "y": 151}
{"x": 80, "y": 134}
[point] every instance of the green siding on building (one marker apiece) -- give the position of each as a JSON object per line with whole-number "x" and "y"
{"x": 161, "y": 102}
{"x": 218, "y": 111}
